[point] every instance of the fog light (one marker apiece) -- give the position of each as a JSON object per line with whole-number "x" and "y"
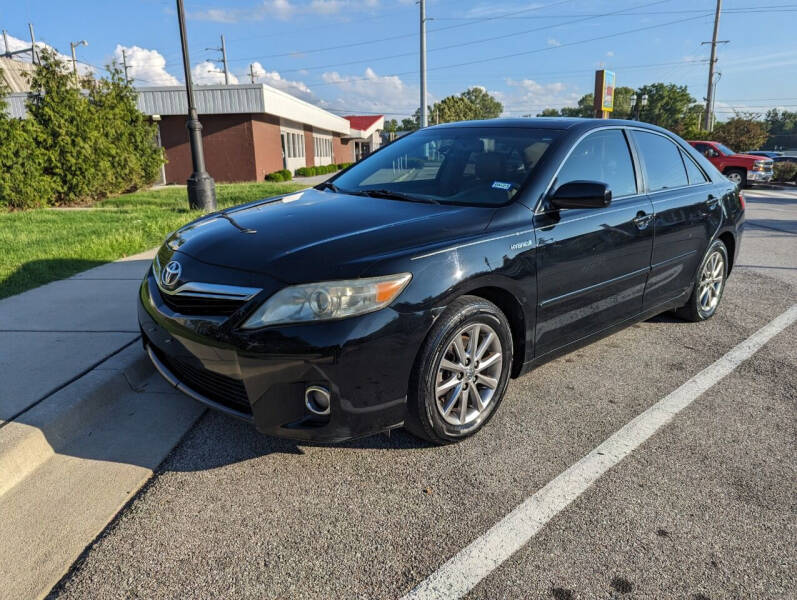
{"x": 316, "y": 399}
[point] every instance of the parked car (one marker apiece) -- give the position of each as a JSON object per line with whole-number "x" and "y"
{"x": 767, "y": 153}
{"x": 409, "y": 288}
{"x": 785, "y": 159}
{"x": 742, "y": 169}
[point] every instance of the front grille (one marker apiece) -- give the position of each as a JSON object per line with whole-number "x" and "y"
{"x": 220, "y": 388}
{"x": 194, "y": 305}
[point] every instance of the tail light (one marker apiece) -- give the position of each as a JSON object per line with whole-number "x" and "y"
{"x": 741, "y": 200}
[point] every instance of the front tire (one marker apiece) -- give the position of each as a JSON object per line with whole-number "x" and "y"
{"x": 709, "y": 285}
{"x": 461, "y": 373}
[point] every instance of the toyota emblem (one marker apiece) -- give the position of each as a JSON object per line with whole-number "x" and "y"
{"x": 171, "y": 274}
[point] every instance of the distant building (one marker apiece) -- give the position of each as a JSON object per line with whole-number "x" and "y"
{"x": 366, "y": 133}
{"x": 15, "y": 74}
{"x": 249, "y": 130}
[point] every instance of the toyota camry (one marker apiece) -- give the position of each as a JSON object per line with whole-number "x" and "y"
{"x": 408, "y": 289}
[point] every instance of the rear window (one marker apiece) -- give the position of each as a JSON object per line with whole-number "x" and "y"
{"x": 664, "y": 167}
{"x": 462, "y": 165}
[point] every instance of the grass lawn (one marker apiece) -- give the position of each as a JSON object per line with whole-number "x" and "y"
{"x": 39, "y": 246}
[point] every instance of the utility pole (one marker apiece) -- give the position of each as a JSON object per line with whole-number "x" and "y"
{"x": 72, "y": 46}
{"x": 8, "y": 53}
{"x": 223, "y": 50}
{"x": 124, "y": 65}
{"x": 708, "y": 116}
{"x": 252, "y": 72}
{"x": 201, "y": 187}
{"x": 224, "y": 59}
{"x": 424, "y": 116}
{"x": 34, "y": 55}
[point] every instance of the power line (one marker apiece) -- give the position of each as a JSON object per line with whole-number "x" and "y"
{"x": 461, "y": 44}
{"x": 398, "y": 37}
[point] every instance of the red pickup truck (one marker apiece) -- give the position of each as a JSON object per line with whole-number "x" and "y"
{"x": 742, "y": 169}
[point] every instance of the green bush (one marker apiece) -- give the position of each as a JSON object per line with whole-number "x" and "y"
{"x": 319, "y": 170}
{"x": 281, "y": 175}
{"x": 342, "y": 166}
{"x": 75, "y": 145}
{"x": 785, "y": 171}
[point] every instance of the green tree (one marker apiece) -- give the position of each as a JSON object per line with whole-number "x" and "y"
{"x": 409, "y": 124}
{"x": 23, "y": 183}
{"x": 782, "y": 129}
{"x": 745, "y": 131}
{"x": 548, "y": 112}
{"x": 474, "y": 103}
{"x": 667, "y": 104}
{"x": 95, "y": 142}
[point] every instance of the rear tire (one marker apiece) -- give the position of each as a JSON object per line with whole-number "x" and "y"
{"x": 461, "y": 373}
{"x": 709, "y": 285}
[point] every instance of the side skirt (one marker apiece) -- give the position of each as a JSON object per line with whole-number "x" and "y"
{"x": 672, "y": 304}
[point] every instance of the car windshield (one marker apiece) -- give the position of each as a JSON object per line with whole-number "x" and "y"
{"x": 459, "y": 165}
{"x": 724, "y": 149}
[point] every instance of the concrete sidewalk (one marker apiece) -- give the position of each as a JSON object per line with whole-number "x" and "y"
{"x": 84, "y": 419}
{"x": 51, "y": 334}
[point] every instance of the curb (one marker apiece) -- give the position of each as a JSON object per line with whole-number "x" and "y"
{"x": 38, "y": 433}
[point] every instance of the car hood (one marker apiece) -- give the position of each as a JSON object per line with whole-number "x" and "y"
{"x": 317, "y": 235}
{"x": 750, "y": 156}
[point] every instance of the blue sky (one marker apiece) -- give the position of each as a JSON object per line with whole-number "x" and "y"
{"x": 361, "y": 56}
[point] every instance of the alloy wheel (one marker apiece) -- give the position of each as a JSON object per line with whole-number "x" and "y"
{"x": 735, "y": 177}
{"x": 468, "y": 374}
{"x": 711, "y": 281}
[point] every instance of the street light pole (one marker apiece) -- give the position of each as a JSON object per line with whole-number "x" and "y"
{"x": 72, "y": 46}
{"x": 424, "y": 116}
{"x": 201, "y": 187}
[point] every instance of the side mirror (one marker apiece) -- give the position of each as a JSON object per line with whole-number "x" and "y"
{"x": 582, "y": 194}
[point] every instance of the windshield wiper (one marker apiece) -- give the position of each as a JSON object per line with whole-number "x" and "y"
{"x": 391, "y": 195}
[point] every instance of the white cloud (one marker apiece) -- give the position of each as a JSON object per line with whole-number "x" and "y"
{"x": 208, "y": 73}
{"x": 527, "y": 96}
{"x": 146, "y": 67}
{"x": 610, "y": 53}
{"x": 371, "y": 92}
{"x": 554, "y": 42}
{"x": 274, "y": 79}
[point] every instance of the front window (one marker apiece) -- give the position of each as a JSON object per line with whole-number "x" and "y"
{"x": 458, "y": 165}
{"x": 724, "y": 149}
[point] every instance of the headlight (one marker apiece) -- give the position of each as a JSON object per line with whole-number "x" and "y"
{"x": 328, "y": 300}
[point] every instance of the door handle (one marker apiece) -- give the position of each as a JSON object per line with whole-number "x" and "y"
{"x": 642, "y": 220}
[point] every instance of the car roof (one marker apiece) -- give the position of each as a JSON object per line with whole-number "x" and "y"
{"x": 549, "y": 123}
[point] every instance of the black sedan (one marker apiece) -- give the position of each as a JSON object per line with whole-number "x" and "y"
{"x": 409, "y": 289}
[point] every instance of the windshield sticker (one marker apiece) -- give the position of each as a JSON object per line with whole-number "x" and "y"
{"x": 501, "y": 185}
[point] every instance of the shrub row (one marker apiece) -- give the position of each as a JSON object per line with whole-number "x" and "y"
{"x": 785, "y": 171}
{"x": 320, "y": 170}
{"x": 74, "y": 146}
{"x": 282, "y": 175}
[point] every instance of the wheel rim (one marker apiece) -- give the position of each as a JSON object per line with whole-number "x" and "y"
{"x": 711, "y": 280}
{"x": 735, "y": 177}
{"x": 468, "y": 374}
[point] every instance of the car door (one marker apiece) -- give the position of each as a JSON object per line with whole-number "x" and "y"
{"x": 687, "y": 213}
{"x": 592, "y": 263}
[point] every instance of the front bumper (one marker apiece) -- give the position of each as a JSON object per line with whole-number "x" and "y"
{"x": 261, "y": 375}
{"x": 759, "y": 176}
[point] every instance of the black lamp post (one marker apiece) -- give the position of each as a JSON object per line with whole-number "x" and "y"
{"x": 201, "y": 187}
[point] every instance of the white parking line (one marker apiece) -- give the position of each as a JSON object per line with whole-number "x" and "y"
{"x": 472, "y": 564}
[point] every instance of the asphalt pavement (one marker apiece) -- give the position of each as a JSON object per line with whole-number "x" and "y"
{"x": 703, "y": 509}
